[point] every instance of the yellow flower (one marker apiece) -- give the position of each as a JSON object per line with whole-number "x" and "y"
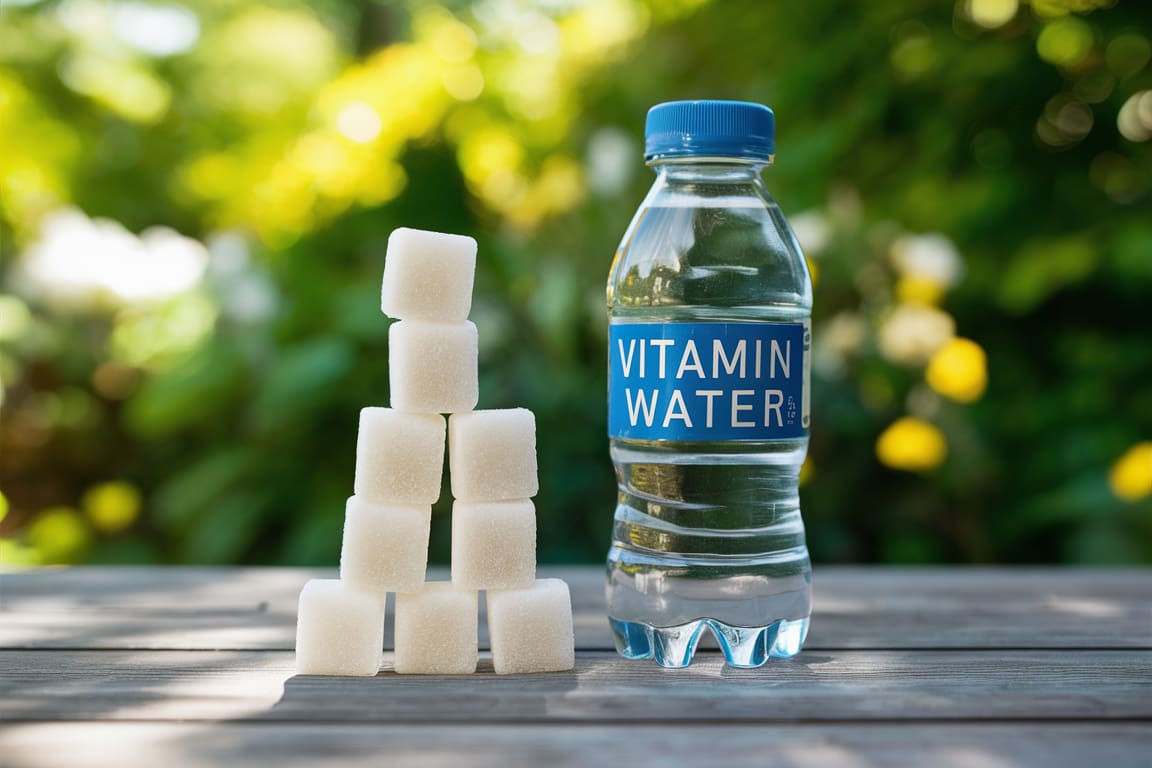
{"x": 59, "y": 535}
{"x": 813, "y": 269}
{"x": 805, "y": 471}
{"x": 911, "y": 445}
{"x": 959, "y": 370}
{"x": 914, "y": 289}
{"x": 112, "y": 507}
{"x": 1131, "y": 475}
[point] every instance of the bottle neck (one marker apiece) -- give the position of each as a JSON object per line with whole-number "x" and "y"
{"x": 709, "y": 170}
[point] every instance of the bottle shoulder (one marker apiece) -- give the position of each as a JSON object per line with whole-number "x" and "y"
{"x": 723, "y": 247}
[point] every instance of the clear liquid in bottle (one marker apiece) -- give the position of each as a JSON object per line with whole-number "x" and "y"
{"x": 709, "y": 303}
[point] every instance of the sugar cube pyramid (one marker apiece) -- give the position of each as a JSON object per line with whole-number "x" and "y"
{"x": 432, "y": 366}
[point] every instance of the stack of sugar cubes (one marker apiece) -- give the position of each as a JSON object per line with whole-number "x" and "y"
{"x": 432, "y": 365}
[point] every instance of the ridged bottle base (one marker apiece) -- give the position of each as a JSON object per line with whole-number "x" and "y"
{"x": 745, "y": 647}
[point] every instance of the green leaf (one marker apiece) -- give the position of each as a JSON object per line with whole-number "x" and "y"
{"x": 300, "y": 381}
{"x": 227, "y": 528}
{"x": 1043, "y": 267}
{"x": 195, "y": 488}
{"x": 188, "y": 394}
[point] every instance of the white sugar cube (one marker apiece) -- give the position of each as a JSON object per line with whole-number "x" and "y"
{"x": 399, "y": 456}
{"x": 530, "y": 630}
{"x": 493, "y": 544}
{"x": 432, "y": 366}
{"x": 492, "y": 455}
{"x": 436, "y": 631}
{"x": 428, "y": 276}
{"x": 339, "y": 630}
{"x": 385, "y": 546}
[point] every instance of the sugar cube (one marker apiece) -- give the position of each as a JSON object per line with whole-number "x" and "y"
{"x": 432, "y": 366}
{"x": 530, "y": 630}
{"x": 339, "y": 630}
{"x": 436, "y": 631}
{"x": 492, "y": 454}
{"x": 493, "y": 544}
{"x": 385, "y": 546}
{"x": 428, "y": 276}
{"x": 399, "y": 456}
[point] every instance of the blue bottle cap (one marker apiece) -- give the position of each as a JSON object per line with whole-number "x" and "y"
{"x": 710, "y": 129}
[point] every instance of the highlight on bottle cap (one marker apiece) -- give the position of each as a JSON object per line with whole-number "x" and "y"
{"x": 739, "y": 129}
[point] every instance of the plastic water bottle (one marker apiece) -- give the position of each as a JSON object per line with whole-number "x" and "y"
{"x": 709, "y": 305}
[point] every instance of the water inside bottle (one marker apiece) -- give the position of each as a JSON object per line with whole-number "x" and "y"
{"x": 708, "y": 535}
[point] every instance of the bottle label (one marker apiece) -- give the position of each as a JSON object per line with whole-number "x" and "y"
{"x": 708, "y": 382}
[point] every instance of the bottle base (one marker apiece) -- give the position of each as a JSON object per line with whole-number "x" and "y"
{"x": 744, "y": 647}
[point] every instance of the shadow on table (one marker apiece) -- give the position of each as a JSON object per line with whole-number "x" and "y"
{"x": 391, "y": 697}
{"x": 133, "y": 608}
{"x": 203, "y": 608}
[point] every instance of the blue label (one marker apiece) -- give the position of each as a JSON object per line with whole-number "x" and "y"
{"x": 707, "y": 382}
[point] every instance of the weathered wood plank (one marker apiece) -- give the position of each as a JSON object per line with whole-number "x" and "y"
{"x": 202, "y": 608}
{"x": 253, "y": 608}
{"x": 844, "y": 685}
{"x": 984, "y": 702}
{"x": 1117, "y": 745}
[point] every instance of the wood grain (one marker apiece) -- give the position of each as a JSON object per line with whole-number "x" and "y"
{"x": 855, "y": 608}
{"x": 933, "y": 666}
{"x": 814, "y": 687}
{"x": 1116, "y": 745}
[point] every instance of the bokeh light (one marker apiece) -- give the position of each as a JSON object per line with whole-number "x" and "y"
{"x": 1065, "y": 42}
{"x": 155, "y": 29}
{"x": 1135, "y": 118}
{"x": 959, "y": 370}
{"x": 111, "y": 507}
{"x": 358, "y": 122}
{"x": 82, "y": 261}
{"x": 991, "y": 14}
{"x": 911, "y": 445}
{"x": 59, "y": 535}
{"x": 1131, "y": 476}
{"x": 911, "y": 333}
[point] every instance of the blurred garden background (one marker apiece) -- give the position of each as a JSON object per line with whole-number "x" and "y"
{"x": 195, "y": 198}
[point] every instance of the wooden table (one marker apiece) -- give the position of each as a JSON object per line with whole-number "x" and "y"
{"x": 936, "y": 666}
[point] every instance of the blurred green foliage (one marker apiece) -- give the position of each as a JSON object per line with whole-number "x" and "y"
{"x": 971, "y": 182}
